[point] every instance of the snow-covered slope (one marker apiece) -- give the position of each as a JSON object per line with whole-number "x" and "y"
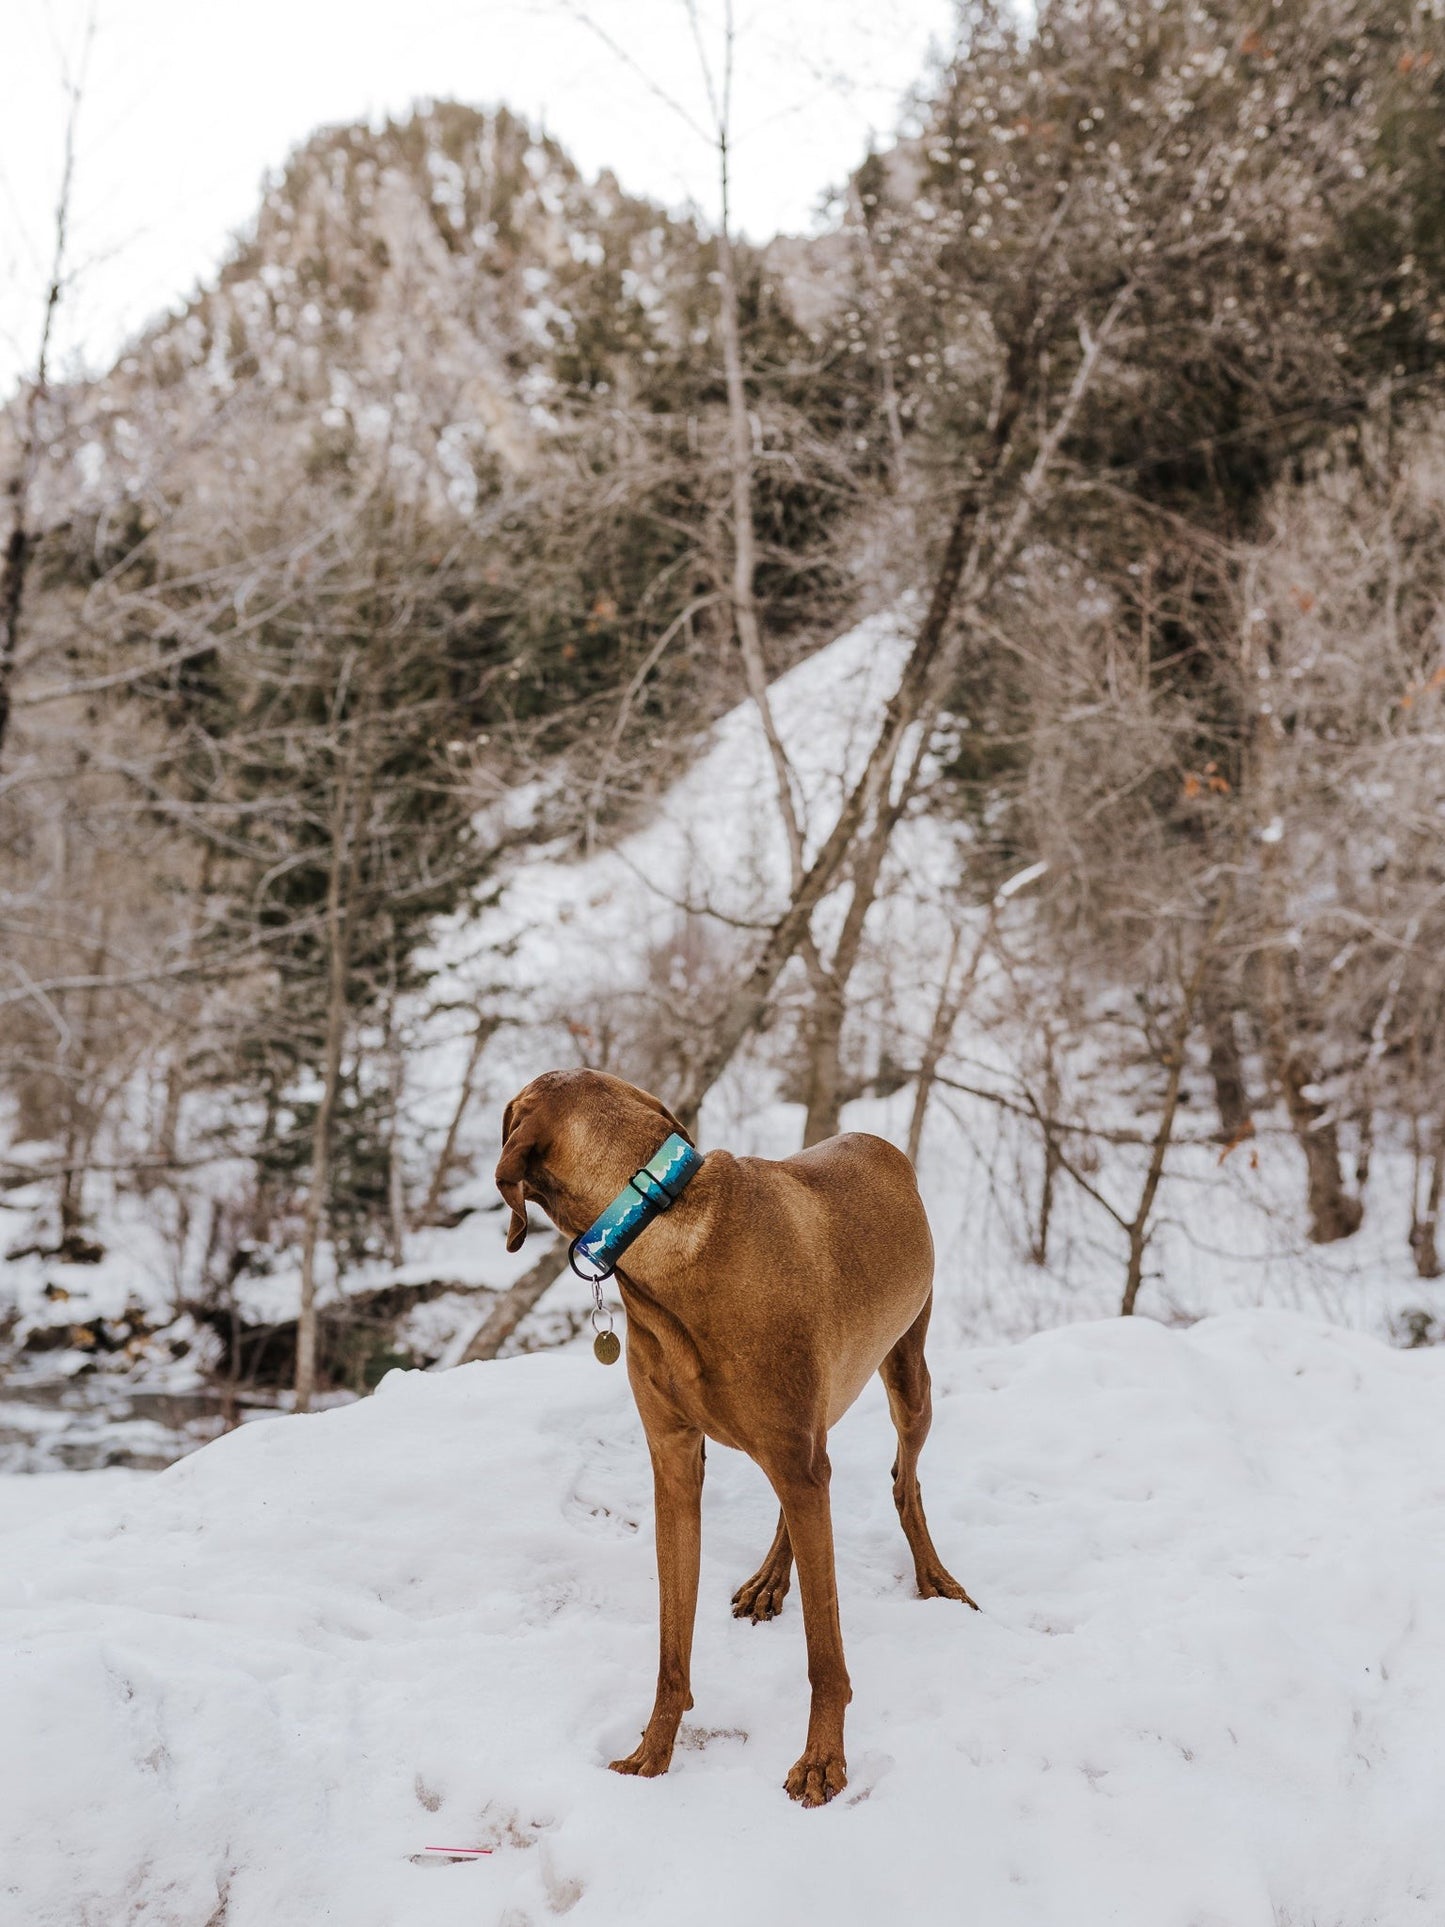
{"x": 1206, "y": 1688}
{"x": 570, "y": 940}
{"x": 26, "y": 1498}
{"x": 594, "y": 959}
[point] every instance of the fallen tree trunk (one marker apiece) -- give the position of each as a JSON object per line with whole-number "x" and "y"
{"x": 513, "y": 1305}
{"x": 356, "y": 1338}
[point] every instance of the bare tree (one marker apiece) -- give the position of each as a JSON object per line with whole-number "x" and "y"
{"x": 953, "y": 995}
{"x": 350, "y": 808}
{"x": 34, "y": 398}
{"x": 484, "y": 1028}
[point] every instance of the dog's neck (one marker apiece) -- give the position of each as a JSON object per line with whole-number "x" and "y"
{"x": 618, "y": 1160}
{"x": 599, "y": 1169}
{"x": 651, "y": 1192}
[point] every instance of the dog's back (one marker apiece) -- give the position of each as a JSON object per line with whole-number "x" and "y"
{"x": 870, "y": 1204}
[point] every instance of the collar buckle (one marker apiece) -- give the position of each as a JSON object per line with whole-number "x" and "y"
{"x": 645, "y": 1196}
{"x": 641, "y": 1179}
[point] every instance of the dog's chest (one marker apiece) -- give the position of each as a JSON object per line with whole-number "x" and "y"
{"x": 712, "y": 1370}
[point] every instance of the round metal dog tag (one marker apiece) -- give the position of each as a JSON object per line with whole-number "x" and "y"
{"x": 607, "y": 1348}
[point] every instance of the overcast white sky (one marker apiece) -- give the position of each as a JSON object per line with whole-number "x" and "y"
{"x": 188, "y": 103}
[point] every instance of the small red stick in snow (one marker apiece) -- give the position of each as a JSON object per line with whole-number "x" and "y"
{"x": 459, "y": 1850}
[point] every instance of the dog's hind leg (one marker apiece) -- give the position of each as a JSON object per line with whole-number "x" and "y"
{"x": 801, "y": 1483}
{"x": 910, "y": 1399}
{"x": 761, "y": 1597}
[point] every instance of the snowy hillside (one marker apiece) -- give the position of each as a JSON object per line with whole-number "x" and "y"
{"x": 601, "y": 954}
{"x": 1206, "y": 1687}
{"x": 592, "y": 959}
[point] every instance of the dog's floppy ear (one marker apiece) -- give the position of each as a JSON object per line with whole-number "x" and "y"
{"x": 681, "y": 1129}
{"x": 519, "y": 1138}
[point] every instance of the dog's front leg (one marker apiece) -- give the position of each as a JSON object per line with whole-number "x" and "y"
{"x": 802, "y": 1489}
{"x": 677, "y": 1466}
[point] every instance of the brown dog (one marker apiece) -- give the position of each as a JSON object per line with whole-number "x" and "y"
{"x": 757, "y": 1310}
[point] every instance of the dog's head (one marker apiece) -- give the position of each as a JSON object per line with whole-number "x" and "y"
{"x": 570, "y": 1141}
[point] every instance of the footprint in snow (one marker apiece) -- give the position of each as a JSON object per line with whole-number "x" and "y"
{"x": 601, "y": 1497}
{"x": 697, "y": 1737}
{"x": 499, "y": 1829}
{"x": 864, "y": 1774}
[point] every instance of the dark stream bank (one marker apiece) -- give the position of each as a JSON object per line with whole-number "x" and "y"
{"x": 84, "y": 1423}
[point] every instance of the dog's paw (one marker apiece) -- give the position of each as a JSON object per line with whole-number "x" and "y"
{"x": 647, "y": 1760}
{"x": 817, "y": 1778}
{"x": 761, "y": 1597}
{"x": 935, "y": 1583}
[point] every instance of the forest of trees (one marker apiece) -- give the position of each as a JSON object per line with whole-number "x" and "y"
{"x": 471, "y": 482}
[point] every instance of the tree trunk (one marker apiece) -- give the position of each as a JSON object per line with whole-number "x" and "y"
{"x": 945, "y": 1016}
{"x": 345, "y": 831}
{"x": 81, "y": 1086}
{"x": 1365, "y": 1147}
{"x": 1138, "y": 1228}
{"x": 1333, "y": 1213}
{"x": 72, "y": 1183}
{"x": 745, "y": 561}
{"x": 395, "y": 1177}
{"x": 513, "y": 1305}
{"x": 1424, "y": 1223}
{"x": 1226, "y": 1061}
{"x": 318, "y": 1196}
{"x": 168, "y": 1130}
{"x": 20, "y": 541}
{"x": 1139, "y": 1224}
{"x": 12, "y": 594}
{"x": 824, "y": 1088}
{"x": 1039, "y": 1247}
{"x": 830, "y": 1010}
{"x": 1134, "y": 1273}
{"x": 486, "y": 1028}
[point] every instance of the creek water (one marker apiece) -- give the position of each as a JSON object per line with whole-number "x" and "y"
{"x": 82, "y": 1423}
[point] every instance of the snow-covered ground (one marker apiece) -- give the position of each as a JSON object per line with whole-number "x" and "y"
{"x": 28, "y": 1498}
{"x": 1206, "y": 1688}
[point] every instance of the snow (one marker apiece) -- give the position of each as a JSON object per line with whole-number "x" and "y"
{"x": 26, "y": 1498}
{"x": 1206, "y": 1689}
{"x": 715, "y": 842}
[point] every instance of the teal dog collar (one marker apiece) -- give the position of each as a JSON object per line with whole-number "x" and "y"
{"x": 648, "y": 1193}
